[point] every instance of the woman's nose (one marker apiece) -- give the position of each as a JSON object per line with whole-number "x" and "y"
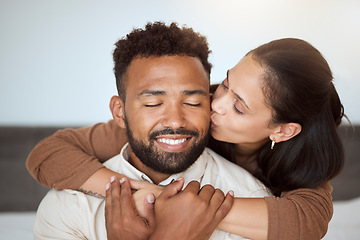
{"x": 218, "y": 104}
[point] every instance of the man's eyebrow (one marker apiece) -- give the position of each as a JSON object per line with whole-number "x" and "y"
{"x": 237, "y": 95}
{"x": 194, "y": 92}
{"x": 147, "y": 93}
{"x": 151, "y": 93}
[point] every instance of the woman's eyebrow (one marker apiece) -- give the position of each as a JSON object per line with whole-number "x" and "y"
{"x": 236, "y": 95}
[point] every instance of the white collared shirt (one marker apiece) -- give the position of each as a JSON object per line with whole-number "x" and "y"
{"x": 70, "y": 214}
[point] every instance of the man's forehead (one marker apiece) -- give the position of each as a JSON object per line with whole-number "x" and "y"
{"x": 167, "y": 66}
{"x": 164, "y": 73}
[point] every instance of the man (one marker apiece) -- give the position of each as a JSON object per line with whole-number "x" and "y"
{"x": 162, "y": 75}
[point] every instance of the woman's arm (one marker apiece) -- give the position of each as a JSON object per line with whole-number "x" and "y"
{"x": 68, "y": 158}
{"x": 248, "y": 218}
{"x": 298, "y": 214}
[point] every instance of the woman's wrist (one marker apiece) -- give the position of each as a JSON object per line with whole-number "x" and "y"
{"x": 248, "y": 217}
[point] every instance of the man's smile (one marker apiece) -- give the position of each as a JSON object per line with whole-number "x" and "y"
{"x": 173, "y": 143}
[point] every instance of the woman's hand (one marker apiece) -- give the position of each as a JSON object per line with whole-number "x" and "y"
{"x": 142, "y": 189}
{"x": 121, "y": 217}
{"x": 191, "y": 214}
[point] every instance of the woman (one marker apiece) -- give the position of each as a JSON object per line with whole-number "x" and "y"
{"x": 275, "y": 114}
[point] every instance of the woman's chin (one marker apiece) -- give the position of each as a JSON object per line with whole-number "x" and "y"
{"x": 214, "y": 133}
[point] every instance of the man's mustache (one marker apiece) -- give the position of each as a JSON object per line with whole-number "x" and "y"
{"x": 171, "y": 131}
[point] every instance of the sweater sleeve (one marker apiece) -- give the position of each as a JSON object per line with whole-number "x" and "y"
{"x": 300, "y": 214}
{"x": 70, "y": 156}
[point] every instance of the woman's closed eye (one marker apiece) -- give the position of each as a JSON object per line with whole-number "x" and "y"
{"x": 238, "y": 107}
{"x": 225, "y": 83}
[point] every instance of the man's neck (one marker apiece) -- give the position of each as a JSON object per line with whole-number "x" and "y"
{"x": 155, "y": 176}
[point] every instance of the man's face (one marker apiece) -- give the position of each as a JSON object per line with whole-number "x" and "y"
{"x": 167, "y": 112}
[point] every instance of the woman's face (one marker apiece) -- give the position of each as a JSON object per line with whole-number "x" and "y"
{"x": 239, "y": 113}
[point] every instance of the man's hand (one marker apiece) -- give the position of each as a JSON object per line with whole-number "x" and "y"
{"x": 121, "y": 217}
{"x": 191, "y": 214}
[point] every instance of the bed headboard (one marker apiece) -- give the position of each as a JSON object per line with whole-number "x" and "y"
{"x": 19, "y": 191}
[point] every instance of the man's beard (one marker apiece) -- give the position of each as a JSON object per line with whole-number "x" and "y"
{"x": 167, "y": 162}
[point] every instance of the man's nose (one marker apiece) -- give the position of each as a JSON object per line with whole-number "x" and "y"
{"x": 174, "y": 117}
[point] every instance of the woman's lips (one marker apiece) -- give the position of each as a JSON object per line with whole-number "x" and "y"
{"x": 212, "y": 123}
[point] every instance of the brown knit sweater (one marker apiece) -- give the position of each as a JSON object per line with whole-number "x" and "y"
{"x": 69, "y": 157}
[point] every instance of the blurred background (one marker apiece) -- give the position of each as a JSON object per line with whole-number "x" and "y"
{"x": 56, "y": 63}
{"x": 56, "y": 71}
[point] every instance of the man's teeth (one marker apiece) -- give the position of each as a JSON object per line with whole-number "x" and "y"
{"x": 171, "y": 141}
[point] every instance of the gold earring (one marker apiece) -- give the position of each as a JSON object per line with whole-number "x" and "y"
{"x": 272, "y": 144}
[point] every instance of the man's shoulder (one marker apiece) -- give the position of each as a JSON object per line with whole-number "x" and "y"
{"x": 114, "y": 162}
{"x": 228, "y": 174}
{"x": 66, "y": 214}
{"x": 70, "y": 199}
{"x": 217, "y": 161}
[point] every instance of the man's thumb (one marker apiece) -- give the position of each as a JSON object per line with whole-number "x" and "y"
{"x": 149, "y": 208}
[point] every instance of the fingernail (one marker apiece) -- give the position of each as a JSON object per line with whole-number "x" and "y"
{"x": 112, "y": 178}
{"x": 150, "y": 198}
{"x": 107, "y": 186}
{"x": 231, "y": 192}
{"x": 122, "y": 180}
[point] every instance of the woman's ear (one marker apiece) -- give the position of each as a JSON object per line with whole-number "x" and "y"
{"x": 117, "y": 110}
{"x": 285, "y": 132}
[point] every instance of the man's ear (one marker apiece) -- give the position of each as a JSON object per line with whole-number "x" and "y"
{"x": 117, "y": 110}
{"x": 285, "y": 132}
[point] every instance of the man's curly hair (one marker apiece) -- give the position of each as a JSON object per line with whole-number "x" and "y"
{"x": 158, "y": 40}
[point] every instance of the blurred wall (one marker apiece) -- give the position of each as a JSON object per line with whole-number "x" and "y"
{"x": 56, "y": 63}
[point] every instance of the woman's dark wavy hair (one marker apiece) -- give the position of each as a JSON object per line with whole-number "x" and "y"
{"x": 158, "y": 40}
{"x": 298, "y": 87}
